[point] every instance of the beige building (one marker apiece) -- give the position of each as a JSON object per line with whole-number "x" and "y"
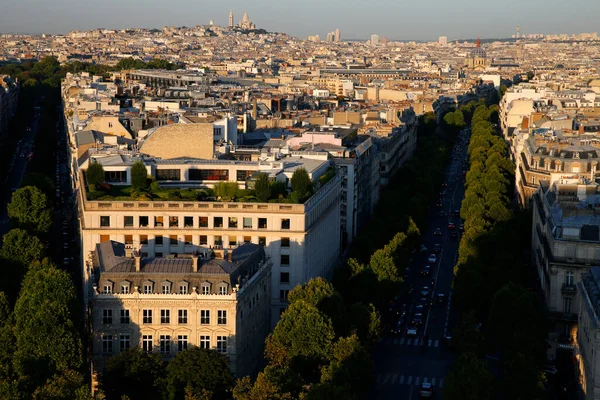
{"x": 565, "y": 243}
{"x": 180, "y": 140}
{"x": 109, "y": 125}
{"x": 212, "y": 299}
{"x": 588, "y": 334}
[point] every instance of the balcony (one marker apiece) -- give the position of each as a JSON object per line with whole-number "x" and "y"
{"x": 568, "y": 288}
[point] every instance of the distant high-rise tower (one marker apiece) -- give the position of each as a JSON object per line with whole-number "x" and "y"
{"x": 336, "y": 37}
{"x": 443, "y": 40}
{"x": 374, "y": 40}
{"x": 231, "y": 18}
{"x": 518, "y": 31}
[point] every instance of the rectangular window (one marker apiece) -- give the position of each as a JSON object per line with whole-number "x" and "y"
{"x": 188, "y": 222}
{"x": 205, "y": 289}
{"x": 125, "y": 316}
{"x": 128, "y": 221}
{"x": 124, "y": 342}
{"x": 182, "y": 342}
{"x": 247, "y": 239}
{"x": 147, "y": 288}
{"x": 262, "y": 223}
{"x": 107, "y": 288}
{"x": 233, "y": 222}
{"x": 125, "y": 288}
{"x": 208, "y": 175}
{"x": 218, "y": 240}
{"x": 183, "y": 289}
{"x": 284, "y": 277}
{"x": 128, "y": 239}
{"x": 204, "y": 317}
{"x": 285, "y": 223}
{"x": 247, "y": 223}
{"x": 165, "y": 316}
{"x": 283, "y": 295}
{"x": 173, "y": 222}
{"x": 166, "y": 288}
{"x": 218, "y": 222}
{"x": 165, "y": 344}
{"x": 158, "y": 240}
{"x": 262, "y": 240}
{"x": 143, "y": 239}
{"x": 204, "y": 342}
{"x": 168, "y": 174}
{"x": 159, "y": 222}
{"x": 222, "y": 317}
{"x": 104, "y": 238}
{"x": 182, "y": 317}
{"x": 147, "y": 315}
{"x": 285, "y": 242}
{"x": 222, "y": 344}
{"x": 107, "y": 344}
{"x": 107, "y": 316}
{"x": 223, "y": 289}
{"x": 147, "y": 343}
{"x": 144, "y": 221}
{"x": 242, "y": 175}
{"x": 203, "y": 222}
{"x": 105, "y": 221}
{"x": 187, "y": 239}
{"x": 173, "y": 240}
{"x": 285, "y": 260}
{"x": 203, "y": 240}
{"x": 232, "y": 240}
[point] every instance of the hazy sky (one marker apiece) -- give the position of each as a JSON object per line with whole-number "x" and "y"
{"x": 395, "y": 19}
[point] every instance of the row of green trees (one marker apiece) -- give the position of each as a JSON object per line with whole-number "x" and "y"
{"x": 499, "y": 314}
{"x": 320, "y": 347}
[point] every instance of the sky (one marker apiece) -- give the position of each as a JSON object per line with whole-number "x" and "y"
{"x": 356, "y": 19}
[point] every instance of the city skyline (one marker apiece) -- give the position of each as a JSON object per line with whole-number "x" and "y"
{"x": 383, "y": 18}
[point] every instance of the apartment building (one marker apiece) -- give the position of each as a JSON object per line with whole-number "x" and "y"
{"x": 588, "y": 333}
{"x": 555, "y": 156}
{"x": 565, "y": 243}
{"x": 9, "y": 99}
{"x": 215, "y": 299}
{"x": 302, "y": 240}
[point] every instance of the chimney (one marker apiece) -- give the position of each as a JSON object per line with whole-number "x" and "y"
{"x": 195, "y": 263}
{"x": 138, "y": 261}
{"x": 230, "y": 256}
{"x": 254, "y": 109}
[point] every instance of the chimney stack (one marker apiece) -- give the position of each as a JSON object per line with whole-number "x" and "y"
{"x": 138, "y": 261}
{"x": 230, "y": 256}
{"x": 195, "y": 263}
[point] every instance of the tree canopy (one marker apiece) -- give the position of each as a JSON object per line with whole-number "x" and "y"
{"x": 301, "y": 184}
{"x": 262, "y": 187}
{"x": 139, "y": 176}
{"x": 95, "y": 174}
{"x": 29, "y": 210}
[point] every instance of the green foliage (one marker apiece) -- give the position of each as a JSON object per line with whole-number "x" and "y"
{"x": 139, "y": 176}
{"x": 66, "y": 386}
{"x": 47, "y": 340}
{"x": 40, "y": 181}
{"x": 135, "y": 374}
{"x": 7, "y": 341}
{"x": 95, "y": 174}
{"x": 130, "y": 63}
{"x": 469, "y": 379}
{"x": 199, "y": 370}
{"x": 301, "y": 184}
{"x": 20, "y": 247}
{"x": 262, "y": 187}
{"x": 29, "y": 210}
{"x": 351, "y": 365}
{"x": 227, "y": 191}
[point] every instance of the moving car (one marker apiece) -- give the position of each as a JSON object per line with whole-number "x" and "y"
{"x": 437, "y": 232}
{"x": 432, "y": 259}
{"x": 417, "y": 319}
{"x": 441, "y": 298}
{"x": 426, "y": 390}
{"x": 425, "y": 291}
{"x": 426, "y": 270}
{"x": 411, "y": 331}
{"x": 436, "y": 248}
{"x": 451, "y": 226}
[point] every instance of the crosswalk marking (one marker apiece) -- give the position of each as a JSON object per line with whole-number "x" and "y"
{"x": 378, "y": 378}
{"x": 395, "y": 340}
{"x": 436, "y": 344}
{"x": 387, "y": 378}
{"x": 432, "y": 381}
{"x": 425, "y": 380}
{"x": 402, "y": 379}
{"x": 402, "y": 340}
{"x": 409, "y": 380}
{"x": 429, "y": 342}
{"x": 442, "y": 382}
{"x": 397, "y": 379}
{"x": 417, "y": 380}
{"x": 394, "y": 377}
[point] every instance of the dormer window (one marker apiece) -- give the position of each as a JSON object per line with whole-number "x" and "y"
{"x": 108, "y": 288}
{"x": 223, "y": 288}
{"x": 125, "y": 287}
{"x": 183, "y": 287}
{"x": 575, "y": 154}
{"x": 205, "y": 288}
{"x": 148, "y": 287}
{"x": 166, "y": 287}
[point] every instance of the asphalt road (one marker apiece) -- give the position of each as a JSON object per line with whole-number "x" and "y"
{"x": 18, "y": 168}
{"x": 402, "y": 362}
